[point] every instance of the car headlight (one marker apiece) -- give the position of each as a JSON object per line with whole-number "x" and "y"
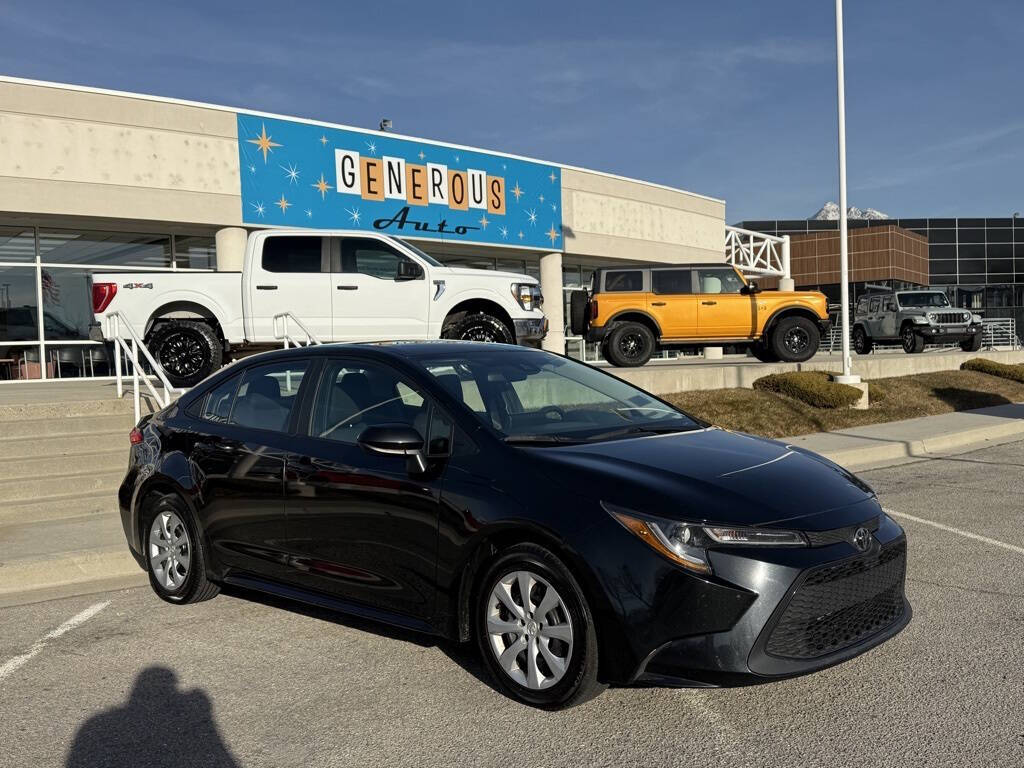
{"x": 687, "y": 544}
{"x": 920, "y": 319}
{"x": 528, "y": 295}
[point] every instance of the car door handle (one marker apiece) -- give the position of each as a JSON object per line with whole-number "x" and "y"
{"x": 266, "y": 287}
{"x": 348, "y": 287}
{"x": 709, "y": 303}
{"x": 657, "y": 303}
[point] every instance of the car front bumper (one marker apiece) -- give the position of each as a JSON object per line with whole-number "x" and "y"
{"x": 531, "y": 331}
{"x": 939, "y": 334}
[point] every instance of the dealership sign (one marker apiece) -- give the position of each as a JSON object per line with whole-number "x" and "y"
{"x": 298, "y": 174}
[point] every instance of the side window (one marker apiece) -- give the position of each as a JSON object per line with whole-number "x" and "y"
{"x": 889, "y": 305}
{"x": 862, "y": 306}
{"x": 370, "y": 257}
{"x": 267, "y": 394}
{"x": 718, "y": 280}
{"x": 217, "y": 405}
{"x": 672, "y": 281}
{"x": 624, "y": 280}
{"x": 874, "y": 304}
{"x": 354, "y": 395}
{"x": 459, "y": 382}
{"x": 293, "y": 254}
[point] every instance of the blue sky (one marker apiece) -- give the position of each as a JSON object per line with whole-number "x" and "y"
{"x": 734, "y": 98}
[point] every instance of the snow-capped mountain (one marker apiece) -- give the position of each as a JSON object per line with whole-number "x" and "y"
{"x": 830, "y": 212}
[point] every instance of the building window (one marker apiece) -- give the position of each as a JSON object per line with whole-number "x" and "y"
{"x": 17, "y": 245}
{"x": 19, "y": 320}
{"x": 101, "y": 249}
{"x": 194, "y": 252}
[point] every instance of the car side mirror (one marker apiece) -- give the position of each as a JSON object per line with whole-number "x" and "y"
{"x": 395, "y": 440}
{"x": 750, "y": 288}
{"x": 408, "y": 270}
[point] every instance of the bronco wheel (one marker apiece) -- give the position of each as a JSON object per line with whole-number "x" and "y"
{"x": 630, "y": 345}
{"x": 174, "y": 552}
{"x": 187, "y": 350}
{"x": 861, "y": 343}
{"x": 535, "y": 630}
{"x": 795, "y": 339}
{"x": 477, "y": 326}
{"x": 912, "y": 342}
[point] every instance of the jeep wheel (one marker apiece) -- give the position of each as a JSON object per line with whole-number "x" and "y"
{"x": 187, "y": 350}
{"x": 972, "y": 344}
{"x": 630, "y": 345}
{"x": 912, "y": 342}
{"x": 861, "y": 343}
{"x": 477, "y": 326}
{"x": 795, "y": 339}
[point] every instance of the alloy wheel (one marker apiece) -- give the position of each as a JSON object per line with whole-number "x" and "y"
{"x": 631, "y": 345}
{"x": 181, "y": 354}
{"x": 480, "y": 332}
{"x": 529, "y": 630}
{"x": 797, "y": 340}
{"x": 170, "y": 550}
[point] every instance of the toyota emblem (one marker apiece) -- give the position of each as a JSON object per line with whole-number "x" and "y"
{"x": 862, "y": 539}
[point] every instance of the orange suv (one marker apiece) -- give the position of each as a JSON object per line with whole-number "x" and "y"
{"x": 633, "y": 311}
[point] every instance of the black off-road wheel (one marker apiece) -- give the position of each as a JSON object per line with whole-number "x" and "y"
{"x": 174, "y": 552}
{"x": 862, "y": 343}
{"x": 795, "y": 339}
{"x": 535, "y": 631}
{"x": 477, "y": 326}
{"x": 629, "y": 345}
{"x": 187, "y": 350}
{"x": 972, "y": 344}
{"x": 579, "y": 312}
{"x": 913, "y": 343}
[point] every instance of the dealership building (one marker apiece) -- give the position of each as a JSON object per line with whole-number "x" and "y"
{"x": 94, "y": 180}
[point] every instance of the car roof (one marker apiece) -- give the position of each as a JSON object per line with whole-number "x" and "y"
{"x": 399, "y": 350}
{"x": 665, "y": 265}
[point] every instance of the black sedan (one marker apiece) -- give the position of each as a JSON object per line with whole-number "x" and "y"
{"x": 581, "y": 531}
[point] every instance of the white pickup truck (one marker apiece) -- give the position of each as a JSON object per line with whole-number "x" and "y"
{"x": 341, "y": 285}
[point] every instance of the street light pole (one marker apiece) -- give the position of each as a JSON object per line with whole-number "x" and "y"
{"x": 844, "y": 265}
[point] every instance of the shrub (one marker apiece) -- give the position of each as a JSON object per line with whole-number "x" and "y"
{"x": 815, "y": 388}
{"x": 991, "y": 367}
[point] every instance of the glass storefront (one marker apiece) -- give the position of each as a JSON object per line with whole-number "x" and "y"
{"x": 45, "y": 295}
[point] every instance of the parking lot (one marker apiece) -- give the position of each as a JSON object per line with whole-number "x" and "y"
{"x": 122, "y": 679}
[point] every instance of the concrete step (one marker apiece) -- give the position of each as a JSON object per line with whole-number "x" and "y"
{"x": 31, "y": 488}
{"x": 65, "y": 408}
{"x": 63, "y": 445}
{"x": 45, "y": 466}
{"x": 22, "y": 578}
{"x": 74, "y": 425}
{"x": 54, "y": 537}
{"x": 59, "y": 507}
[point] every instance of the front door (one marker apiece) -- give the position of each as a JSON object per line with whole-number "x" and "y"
{"x": 722, "y": 311}
{"x": 360, "y": 527}
{"x": 372, "y": 299}
{"x": 672, "y": 302}
{"x": 291, "y": 274}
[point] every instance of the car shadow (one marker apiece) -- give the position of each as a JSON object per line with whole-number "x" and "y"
{"x": 158, "y": 726}
{"x": 968, "y": 399}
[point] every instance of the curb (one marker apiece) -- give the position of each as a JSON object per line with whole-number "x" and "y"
{"x": 67, "y": 568}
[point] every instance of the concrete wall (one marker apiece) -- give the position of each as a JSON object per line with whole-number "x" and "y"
{"x": 609, "y": 217}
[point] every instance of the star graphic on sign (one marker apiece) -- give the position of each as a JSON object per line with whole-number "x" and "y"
{"x": 521, "y": 235}
{"x": 309, "y": 214}
{"x": 263, "y": 143}
{"x": 531, "y": 216}
{"x": 504, "y": 167}
{"x": 503, "y": 231}
{"x": 252, "y": 169}
{"x": 552, "y": 177}
{"x": 552, "y": 234}
{"x": 258, "y": 208}
{"x": 421, "y": 155}
{"x": 371, "y": 147}
{"x": 283, "y": 204}
{"x": 541, "y": 198}
{"x": 353, "y": 214}
{"x": 457, "y": 159}
{"x": 292, "y": 172}
{"x": 517, "y": 191}
{"x": 484, "y": 221}
{"x": 323, "y": 140}
{"x": 322, "y": 186}
{"x": 554, "y": 207}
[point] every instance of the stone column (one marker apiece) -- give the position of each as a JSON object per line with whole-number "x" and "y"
{"x": 554, "y": 301}
{"x": 230, "y": 249}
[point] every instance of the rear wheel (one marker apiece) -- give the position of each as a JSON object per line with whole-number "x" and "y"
{"x": 630, "y": 345}
{"x": 861, "y": 343}
{"x": 972, "y": 344}
{"x": 477, "y": 326}
{"x": 174, "y": 552}
{"x": 795, "y": 339}
{"x": 912, "y": 342}
{"x": 187, "y": 350}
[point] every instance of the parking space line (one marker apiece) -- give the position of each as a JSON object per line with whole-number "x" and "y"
{"x": 77, "y": 620}
{"x": 960, "y": 531}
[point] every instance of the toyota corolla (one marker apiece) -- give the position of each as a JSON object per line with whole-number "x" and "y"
{"x": 579, "y": 530}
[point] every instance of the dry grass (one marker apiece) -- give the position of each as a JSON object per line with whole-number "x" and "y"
{"x": 904, "y": 397}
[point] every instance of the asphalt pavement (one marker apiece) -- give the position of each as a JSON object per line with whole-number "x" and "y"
{"x": 123, "y": 679}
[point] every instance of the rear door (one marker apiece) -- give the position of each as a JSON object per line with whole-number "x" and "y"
{"x": 722, "y": 311}
{"x": 874, "y": 317}
{"x": 291, "y": 273}
{"x": 887, "y": 322}
{"x": 672, "y": 302}
{"x": 372, "y": 299}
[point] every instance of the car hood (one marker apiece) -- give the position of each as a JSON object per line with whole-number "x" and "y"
{"x": 716, "y": 476}
{"x": 484, "y": 273}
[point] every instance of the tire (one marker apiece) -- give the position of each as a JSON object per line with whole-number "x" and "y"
{"x": 579, "y": 312}
{"x": 763, "y": 353}
{"x": 477, "y": 326}
{"x": 630, "y": 345}
{"x": 913, "y": 343}
{"x": 542, "y": 684}
{"x": 795, "y": 339}
{"x": 972, "y": 344}
{"x": 187, "y": 350}
{"x": 862, "y": 344}
{"x": 183, "y": 580}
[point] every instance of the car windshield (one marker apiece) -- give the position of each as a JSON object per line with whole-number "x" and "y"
{"x": 527, "y": 396}
{"x": 421, "y": 253}
{"x": 923, "y": 299}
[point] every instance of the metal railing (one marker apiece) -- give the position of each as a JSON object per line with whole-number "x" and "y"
{"x": 756, "y": 252}
{"x": 996, "y": 333}
{"x": 131, "y": 346}
{"x": 283, "y": 333}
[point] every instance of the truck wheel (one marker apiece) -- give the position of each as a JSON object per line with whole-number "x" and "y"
{"x": 795, "y": 339}
{"x": 187, "y": 350}
{"x": 861, "y": 343}
{"x": 630, "y": 345}
{"x": 972, "y": 344}
{"x": 912, "y": 342}
{"x": 763, "y": 353}
{"x": 477, "y": 326}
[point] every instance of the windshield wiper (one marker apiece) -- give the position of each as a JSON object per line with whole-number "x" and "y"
{"x": 639, "y": 430}
{"x": 540, "y": 440}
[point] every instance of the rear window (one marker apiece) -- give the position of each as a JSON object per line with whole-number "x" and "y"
{"x": 624, "y": 280}
{"x": 292, "y": 254}
{"x": 672, "y": 281}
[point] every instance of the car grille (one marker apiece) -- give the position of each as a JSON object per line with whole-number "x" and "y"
{"x": 840, "y": 605}
{"x": 825, "y": 538}
{"x": 951, "y": 317}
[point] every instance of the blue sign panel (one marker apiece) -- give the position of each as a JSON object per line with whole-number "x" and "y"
{"x": 300, "y": 175}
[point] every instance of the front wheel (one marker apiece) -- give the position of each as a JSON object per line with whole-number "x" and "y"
{"x": 912, "y": 342}
{"x": 630, "y": 345}
{"x": 477, "y": 326}
{"x": 795, "y": 339}
{"x": 535, "y": 630}
{"x": 187, "y": 350}
{"x": 972, "y": 344}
